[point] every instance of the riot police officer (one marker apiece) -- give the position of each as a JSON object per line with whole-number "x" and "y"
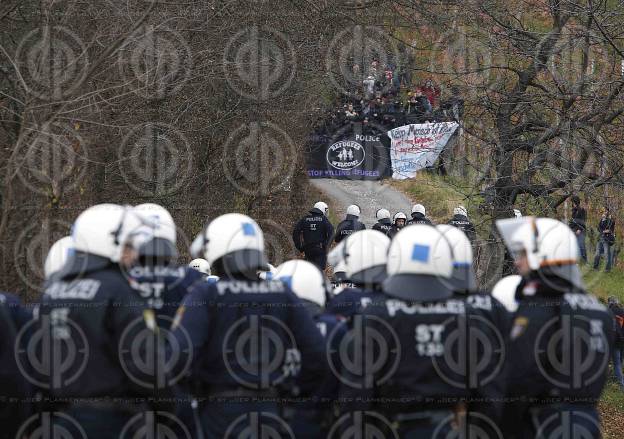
{"x": 461, "y": 221}
{"x": 313, "y": 235}
{"x": 350, "y": 224}
{"x": 57, "y": 256}
{"x": 484, "y": 330}
{"x": 252, "y": 341}
{"x": 364, "y": 255}
{"x": 312, "y": 419}
{"x": 14, "y": 406}
{"x": 559, "y": 343}
{"x": 160, "y": 281}
{"x": 407, "y": 381}
{"x": 398, "y": 222}
{"x": 90, "y": 308}
{"x": 202, "y": 265}
{"x": 383, "y": 223}
{"x": 419, "y": 216}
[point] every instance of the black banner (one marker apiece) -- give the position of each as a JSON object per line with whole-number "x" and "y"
{"x": 354, "y": 152}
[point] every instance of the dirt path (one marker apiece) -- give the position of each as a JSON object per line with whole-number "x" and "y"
{"x": 369, "y": 195}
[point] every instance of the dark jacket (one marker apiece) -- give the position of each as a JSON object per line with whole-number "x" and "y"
{"x": 419, "y": 218}
{"x": 394, "y": 230}
{"x": 314, "y": 229}
{"x": 383, "y": 225}
{"x": 219, "y": 323}
{"x": 578, "y": 220}
{"x": 606, "y": 228}
{"x": 101, "y": 315}
{"x": 462, "y": 222}
{"x": 550, "y": 311}
{"x": 350, "y": 225}
{"x": 618, "y": 323}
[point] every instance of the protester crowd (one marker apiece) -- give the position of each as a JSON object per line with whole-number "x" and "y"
{"x": 387, "y": 98}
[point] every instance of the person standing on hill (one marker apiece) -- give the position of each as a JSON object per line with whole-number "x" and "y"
{"x": 578, "y": 225}
{"x": 606, "y": 228}
{"x": 618, "y": 322}
{"x": 313, "y": 234}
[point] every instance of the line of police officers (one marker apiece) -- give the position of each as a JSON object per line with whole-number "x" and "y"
{"x": 314, "y": 233}
{"x": 126, "y": 343}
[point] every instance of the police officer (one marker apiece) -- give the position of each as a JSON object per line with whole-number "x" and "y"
{"x": 461, "y": 221}
{"x": 90, "y": 307}
{"x": 160, "y": 281}
{"x": 57, "y": 256}
{"x": 364, "y": 256}
{"x": 383, "y": 223}
{"x": 14, "y": 407}
{"x": 252, "y": 341}
{"x": 312, "y": 419}
{"x": 419, "y": 216}
{"x": 559, "y": 342}
{"x": 398, "y": 222}
{"x": 484, "y": 329}
{"x": 407, "y": 380}
{"x": 505, "y": 292}
{"x": 350, "y": 224}
{"x": 203, "y": 267}
{"x": 313, "y": 235}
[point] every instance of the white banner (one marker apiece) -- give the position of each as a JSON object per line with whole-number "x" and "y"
{"x": 417, "y": 146}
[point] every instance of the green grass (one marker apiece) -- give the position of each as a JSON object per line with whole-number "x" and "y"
{"x": 440, "y": 195}
{"x": 604, "y": 284}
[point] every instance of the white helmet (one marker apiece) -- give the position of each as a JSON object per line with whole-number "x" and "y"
{"x": 322, "y": 207}
{"x": 200, "y": 265}
{"x": 464, "y": 278}
{"x": 336, "y": 255}
{"x": 268, "y": 274}
{"x": 460, "y": 210}
{"x": 549, "y": 244}
{"x": 365, "y": 255}
{"x": 354, "y": 210}
{"x": 517, "y": 213}
{"x": 383, "y": 214}
{"x": 159, "y": 235}
{"x": 340, "y": 271}
{"x": 420, "y": 265}
{"x": 104, "y": 229}
{"x": 419, "y": 208}
{"x": 399, "y": 215}
{"x": 161, "y": 220}
{"x": 58, "y": 255}
{"x": 305, "y": 280}
{"x": 505, "y": 292}
{"x": 237, "y": 242}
